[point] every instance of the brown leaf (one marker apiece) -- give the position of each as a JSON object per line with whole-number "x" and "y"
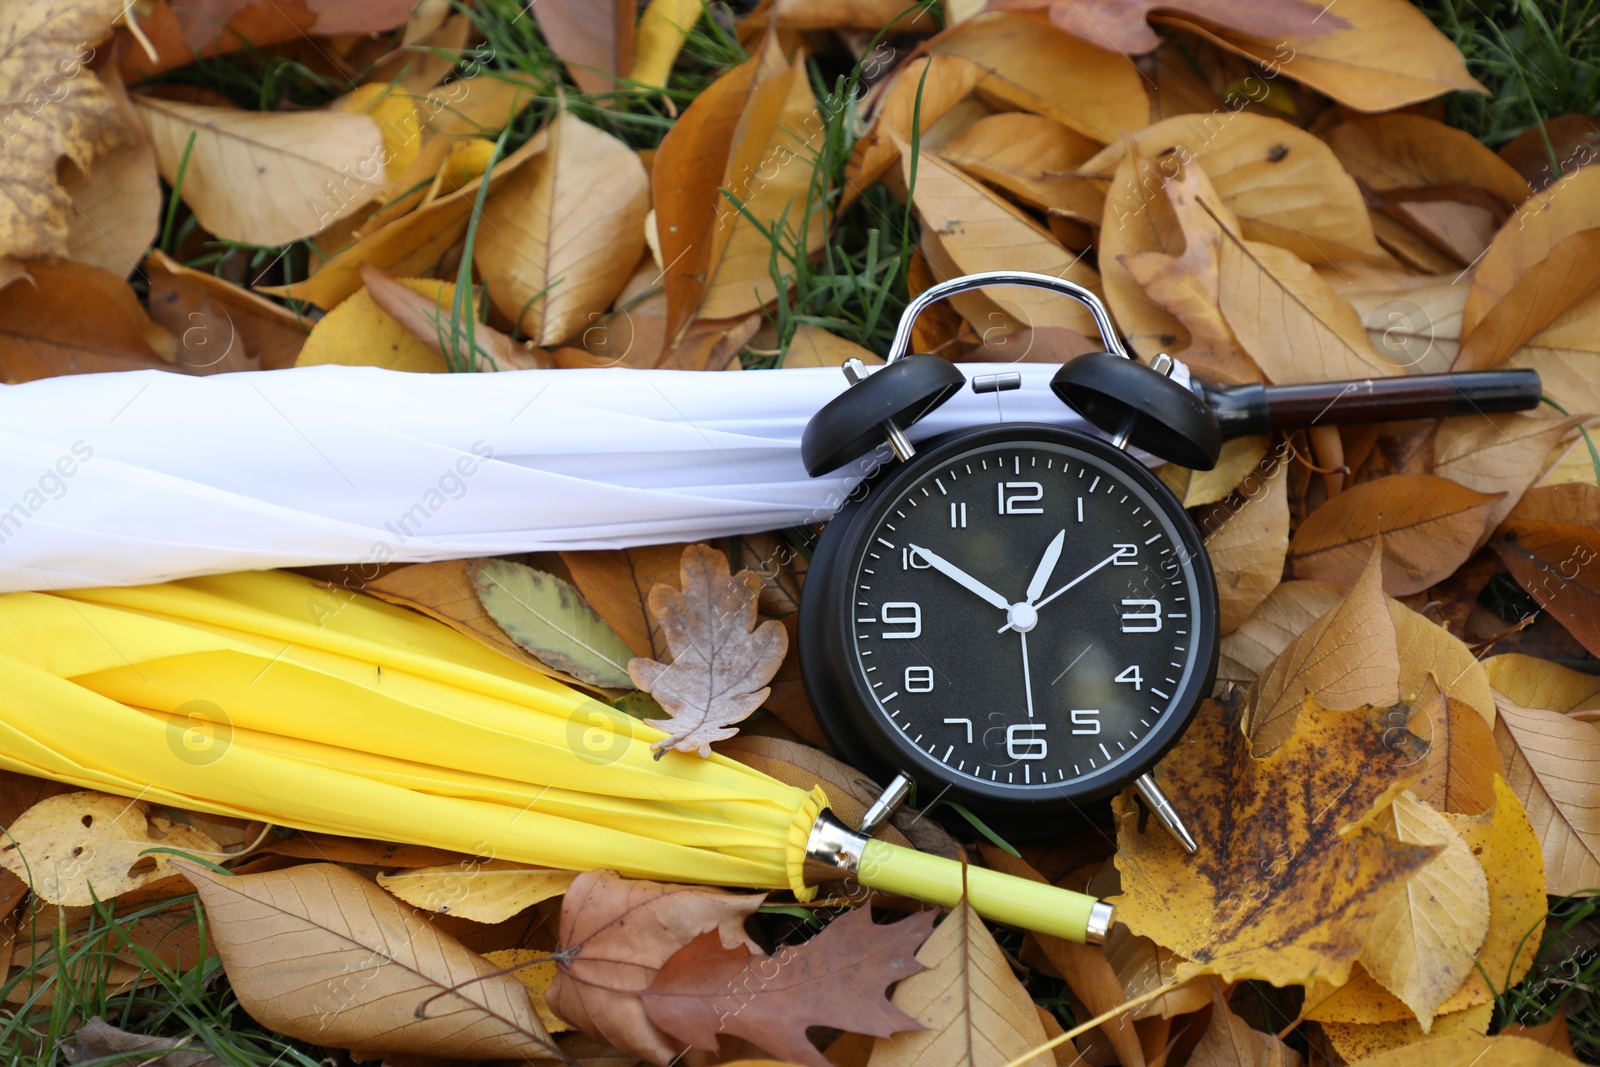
{"x": 429, "y": 320}
{"x": 561, "y": 236}
{"x": 378, "y": 964}
{"x": 837, "y": 979}
{"x": 965, "y": 1006}
{"x": 850, "y": 793}
{"x": 218, "y": 324}
{"x": 721, "y": 660}
{"x": 1429, "y": 526}
{"x": 1553, "y": 766}
{"x": 43, "y": 331}
{"x": 1550, "y": 543}
{"x": 359, "y": 851}
{"x": 1538, "y": 683}
{"x": 1570, "y": 138}
{"x": 1433, "y": 659}
{"x": 617, "y": 934}
{"x": 1290, "y": 872}
{"x": 444, "y": 591}
{"x": 1032, "y": 65}
{"x": 1286, "y": 613}
{"x": 594, "y": 40}
{"x": 1503, "y": 453}
{"x": 927, "y": 88}
{"x": 1462, "y": 758}
{"x": 1027, "y": 156}
{"x": 56, "y": 109}
{"x": 1346, "y": 659}
{"x": 182, "y": 31}
{"x": 98, "y": 1039}
{"x": 617, "y": 584}
{"x": 1229, "y": 1041}
{"x": 1121, "y": 26}
{"x": 1247, "y": 551}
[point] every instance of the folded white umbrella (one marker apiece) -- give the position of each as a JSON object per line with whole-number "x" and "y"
{"x": 122, "y": 479}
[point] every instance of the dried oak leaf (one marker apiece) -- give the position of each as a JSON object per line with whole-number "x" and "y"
{"x": 721, "y": 660}
{"x": 63, "y": 110}
{"x": 616, "y": 933}
{"x": 1290, "y": 873}
{"x": 836, "y": 979}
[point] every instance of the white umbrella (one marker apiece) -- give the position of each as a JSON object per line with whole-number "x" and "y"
{"x": 146, "y": 476}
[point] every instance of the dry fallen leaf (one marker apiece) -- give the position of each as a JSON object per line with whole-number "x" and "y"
{"x": 1229, "y": 1041}
{"x": 359, "y": 332}
{"x": 56, "y": 108}
{"x": 116, "y": 205}
{"x": 43, "y": 331}
{"x": 1290, "y": 872}
{"x": 617, "y": 584}
{"x": 1538, "y": 683}
{"x": 850, "y": 793}
{"x": 1504, "y": 453}
{"x": 374, "y": 965}
{"x": 546, "y": 616}
{"x": 430, "y": 318}
{"x": 925, "y": 88}
{"x": 594, "y": 40}
{"x": 617, "y": 933}
{"x": 1462, "y": 1049}
{"x": 1463, "y": 760}
{"x": 837, "y": 979}
{"x": 560, "y": 237}
{"x": 537, "y": 971}
{"x": 77, "y": 848}
{"x": 1286, "y": 613}
{"x": 1425, "y": 942}
{"x": 1359, "y": 1042}
{"x": 98, "y": 1040}
{"x": 1122, "y": 27}
{"x": 219, "y": 324}
{"x": 721, "y": 660}
{"x": 970, "y": 1006}
{"x": 487, "y": 892}
{"x": 1247, "y": 550}
{"x": 1550, "y": 542}
{"x": 263, "y": 177}
{"x": 1028, "y": 156}
{"x": 1553, "y": 766}
{"x": 444, "y": 591}
{"x": 1428, "y": 525}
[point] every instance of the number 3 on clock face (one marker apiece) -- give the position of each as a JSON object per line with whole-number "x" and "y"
{"x": 1021, "y": 615}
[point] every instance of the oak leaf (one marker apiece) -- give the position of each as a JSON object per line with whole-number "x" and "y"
{"x": 77, "y": 848}
{"x": 617, "y": 584}
{"x": 373, "y": 966}
{"x": 837, "y": 979}
{"x": 1553, "y": 766}
{"x": 1121, "y": 26}
{"x": 616, "y": 933}
{"x": 55, "y": 109}
{"x": 1291, "y": 872}
{"x": 1428, "y": 526}
{"x": 721, "y": 660}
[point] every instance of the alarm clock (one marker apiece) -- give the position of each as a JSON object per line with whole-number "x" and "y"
{"x": 1018, "y": 617}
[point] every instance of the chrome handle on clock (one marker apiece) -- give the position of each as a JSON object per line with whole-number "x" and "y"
{"x": 968, "y": 282}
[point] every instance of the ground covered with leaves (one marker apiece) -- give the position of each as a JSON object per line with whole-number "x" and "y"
{"x": 1397, "y": 784}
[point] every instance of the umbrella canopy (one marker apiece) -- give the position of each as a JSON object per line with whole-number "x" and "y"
{"x": 267, "y": 696}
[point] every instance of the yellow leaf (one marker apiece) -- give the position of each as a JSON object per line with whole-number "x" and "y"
{"x": 488, "y": 892}
{"x": 1538, "y": 683}
{"x": 1286, "y": 613}
{"x": 1028, "y": 156}
{"x": 927, "y": 87}
{"x": 1460, "y": 1050}
{"x": 1034, "y": 66}
{"x": 395, "y": 112}
{"x": 536, "y": 974}
{"x": 663, "y": 28}
{"x": 117, "y": 204}
{"x": 812, "y": 346}
{"x": 1194, "y": 488}
{"x": 1423, "y": 945}
{"x": 560, "y": 237}
{"x": 1503, "y": 453}
{"x": 1346, "y": 659}
{"x": 975, "y": 1010}
{"x": 980, "y": 232}
{"x": 76, "y": 848}
{"x": 1290, "y": 873}
{"x": 1553, "y": 766}
{"x": 266, "y": 177}
{"x": 1363, "y": 66}
{"x": 55, "y": 109}
{"x": 1358, "y": 1042}
{"x": 1248, "y": 549}
{"x": 1426, "y": 650}
{"x": 359, "y": 333}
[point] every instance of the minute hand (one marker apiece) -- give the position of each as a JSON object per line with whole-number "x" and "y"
{"x": 1069, "y": 585}
{"x": 962, "y": 578}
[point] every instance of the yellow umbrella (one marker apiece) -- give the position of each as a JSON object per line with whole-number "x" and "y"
{"x": 268, "y": 696}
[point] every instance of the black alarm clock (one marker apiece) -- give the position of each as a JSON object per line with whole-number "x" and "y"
{"x": 1017, "y": 617}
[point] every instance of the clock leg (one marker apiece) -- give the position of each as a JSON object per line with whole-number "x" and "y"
{"x": 1158, "y": 802}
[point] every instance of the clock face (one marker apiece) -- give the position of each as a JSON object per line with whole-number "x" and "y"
{"x": 1027, "y": 616}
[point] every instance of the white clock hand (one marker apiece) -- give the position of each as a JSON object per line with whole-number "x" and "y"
{"x": 1064, "y": 588}
{"x": 1027, "y": 682}
{"x": 962, "y": 578}
{"x": 1046, "y": 567}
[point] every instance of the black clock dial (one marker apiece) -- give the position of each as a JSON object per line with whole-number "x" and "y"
{"x": 1022, "y": 615}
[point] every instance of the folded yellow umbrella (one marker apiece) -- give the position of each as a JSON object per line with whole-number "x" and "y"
{"x": 268, "y": 696}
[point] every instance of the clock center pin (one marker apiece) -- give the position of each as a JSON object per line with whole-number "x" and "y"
{"x": 1022, "y": 616}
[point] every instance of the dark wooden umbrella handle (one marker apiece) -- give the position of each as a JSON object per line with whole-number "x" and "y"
{"x": 1252, "y": 409}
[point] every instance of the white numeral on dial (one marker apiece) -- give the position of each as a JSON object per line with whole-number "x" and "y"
{"x": 919, "y": 679}
{"x": 1021, "y": 742}
{"x": 908, "y": 613}
{"x": 964, "y": 722}
{"x": 1131, "y": 676}
{"x": 913, "y": 561}
{"x": 958, "y": 516}
{"x": 1015, "y": 494}
{"x": 1085, "y": 720}
{"x": 1127, "y": 556}
{"x": 1143, "y": 618}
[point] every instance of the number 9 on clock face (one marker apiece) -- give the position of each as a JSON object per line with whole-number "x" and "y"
{"x": 1020, "y": 615}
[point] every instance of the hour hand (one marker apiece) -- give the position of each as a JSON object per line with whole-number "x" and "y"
{"x": 962, "y": 578}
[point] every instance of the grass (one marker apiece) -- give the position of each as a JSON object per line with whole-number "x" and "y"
{"x": 1540, "y": 58}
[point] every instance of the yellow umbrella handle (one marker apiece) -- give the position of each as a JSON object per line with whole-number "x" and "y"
{"x": 834, "y": 848}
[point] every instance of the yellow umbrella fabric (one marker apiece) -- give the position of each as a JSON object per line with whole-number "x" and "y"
{"x": 269, "y": 696}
